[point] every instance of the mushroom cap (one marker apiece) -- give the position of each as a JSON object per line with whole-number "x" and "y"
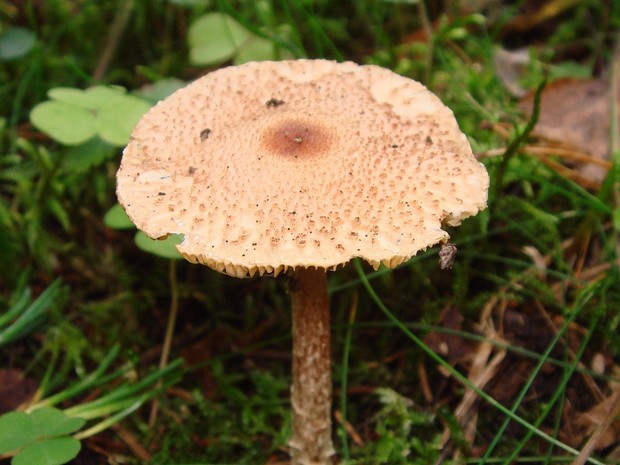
{"x": 307, "y": 163}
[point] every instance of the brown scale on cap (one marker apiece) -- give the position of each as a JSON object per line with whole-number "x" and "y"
{"x": 371, "y": 163}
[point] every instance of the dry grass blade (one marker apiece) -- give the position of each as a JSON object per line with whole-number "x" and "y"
{"x": 587, "y": 378}
{"x": 355, "y": 437}
{"x": 133, "y": 443}
{"x": 565, "y": 152}
{"x": 614, "y": 137}
{"x": 547, "y": 150}
{"x": 483, "y": 368}
{"x": 593, "y": 442}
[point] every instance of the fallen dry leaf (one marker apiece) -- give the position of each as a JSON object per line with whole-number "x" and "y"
{"x": 510, "y": 66}
{"x": 534, "y": 13}
{"x": 15, "y": 389}
{"x": 576, "y": 112}
{"x": 591, "y": 419}
{"x": 450, "y": 346}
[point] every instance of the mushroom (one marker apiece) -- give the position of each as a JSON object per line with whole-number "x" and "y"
{"x": 297, "y": 167}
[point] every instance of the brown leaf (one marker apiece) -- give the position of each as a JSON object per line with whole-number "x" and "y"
{"x": 576, "y": 112}
{"x": 534, "y": 13}
{"x": 450, "y": 346}
{"x": 591, "y": 419}
{"x": 15, "y": 389}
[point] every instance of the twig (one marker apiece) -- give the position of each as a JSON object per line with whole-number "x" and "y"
{"x": 132, "y": 442}
{"x": 357, "y": 439}
{"x": 123, "y": 13}
{"x": 428, "y": 30}
{"x": 614, "y": 140}
{"x": 172, "y": 318}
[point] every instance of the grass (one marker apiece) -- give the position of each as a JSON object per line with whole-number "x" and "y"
{"x": 492, "y": 362}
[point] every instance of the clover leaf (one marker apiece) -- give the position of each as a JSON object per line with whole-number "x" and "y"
{"x": 75, "y": 116}
{"x": 40, "y": 437}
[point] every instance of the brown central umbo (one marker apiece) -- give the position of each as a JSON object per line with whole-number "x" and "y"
{"x": 296, "y": 138}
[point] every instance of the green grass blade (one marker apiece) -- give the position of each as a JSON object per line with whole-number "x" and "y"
{"x": 126, "y": 393}
{"x": 17, "y": 309}
{"x": 96, "y": 378}
{"x": 568, "y": 373}
{"x": 32, "y": 316}
{"x": 457, "y": 375}
{"x": 345, "y": 374}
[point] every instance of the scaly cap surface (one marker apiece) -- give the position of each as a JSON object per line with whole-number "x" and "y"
{"x": 307, "y": 163}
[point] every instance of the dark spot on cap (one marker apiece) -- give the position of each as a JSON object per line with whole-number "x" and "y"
{"x": 204, "y": 134}
{"x": 274, "y": 103}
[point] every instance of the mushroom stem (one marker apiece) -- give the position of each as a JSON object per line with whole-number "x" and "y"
{"x": 311, "y": 391}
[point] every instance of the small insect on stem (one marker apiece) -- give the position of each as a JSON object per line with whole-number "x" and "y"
{"x": 447, "y": 254}
{"x": 204, "y": 134}
{"x": 274, "y": 103}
